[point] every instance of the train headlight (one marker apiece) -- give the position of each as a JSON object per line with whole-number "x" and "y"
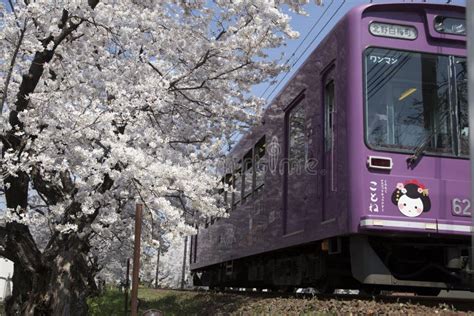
{"x": 393, "y": 30}
{"x": 450, "y": 25}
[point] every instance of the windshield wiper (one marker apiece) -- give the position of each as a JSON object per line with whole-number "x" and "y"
{"x": 420, "y": 149}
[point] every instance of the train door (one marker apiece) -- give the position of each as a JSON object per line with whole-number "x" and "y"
{"x": 296, "y": 153}
{"x": 329, "y": 211}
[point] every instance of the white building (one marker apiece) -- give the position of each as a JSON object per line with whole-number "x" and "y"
{"x": 6, "y": 272}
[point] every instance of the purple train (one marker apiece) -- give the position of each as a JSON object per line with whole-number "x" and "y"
{"x": 358, "y": 175}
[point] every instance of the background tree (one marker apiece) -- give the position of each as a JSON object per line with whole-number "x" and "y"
{"x": 106, "y": 103}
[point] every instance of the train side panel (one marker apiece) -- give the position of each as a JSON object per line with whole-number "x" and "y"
{"x": 295, "y": 205}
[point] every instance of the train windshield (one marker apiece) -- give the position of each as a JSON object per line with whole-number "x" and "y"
{"x": 416, "y": 99}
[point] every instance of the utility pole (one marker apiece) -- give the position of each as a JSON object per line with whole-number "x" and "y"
{"x": 470, "y": 98}
{"x": 136, "y": 258}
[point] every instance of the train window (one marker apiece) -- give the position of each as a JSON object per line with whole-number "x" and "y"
{"x": 227, "y": 192}
{"x": 237, "y": 185}
{"x": 259, "y": 153}
{"x": 329, "y": 116}
{"x": 222, "y": 194}
{"x": 408, "y": 101}
{"x": 297, "y": 149}
{"x": 462, "y": 107}
{"x": 248, "y": 174}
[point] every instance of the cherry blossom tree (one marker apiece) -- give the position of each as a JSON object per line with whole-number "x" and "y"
{"x": 107, "y": 103}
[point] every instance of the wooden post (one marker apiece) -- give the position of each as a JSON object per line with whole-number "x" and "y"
{"x": 157, "y": 268}
{"x": 136, "y": 258}
{"x": 183, "y": 271}
{"x": 127, "y": 285}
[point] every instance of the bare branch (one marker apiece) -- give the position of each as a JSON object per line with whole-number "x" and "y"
{"x": 155, "y": 69}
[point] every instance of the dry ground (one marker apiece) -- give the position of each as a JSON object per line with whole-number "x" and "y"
{"x": 205, "y": 303}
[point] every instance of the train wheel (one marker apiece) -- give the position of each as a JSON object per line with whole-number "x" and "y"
{"x": 428, "y": 291}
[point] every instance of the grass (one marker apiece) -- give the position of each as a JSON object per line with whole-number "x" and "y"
{"x": 109, "y": 303}
{"x": 168, "y": 301}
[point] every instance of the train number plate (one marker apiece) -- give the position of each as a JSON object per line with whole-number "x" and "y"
{"x": 461, "y": 207}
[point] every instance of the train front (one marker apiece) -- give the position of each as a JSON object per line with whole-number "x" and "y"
{"x": 411, "y": 209}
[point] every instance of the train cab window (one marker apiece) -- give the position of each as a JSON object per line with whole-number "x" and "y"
{"x": 259, "y": 153}
{"x": 237, "y": 185}
{"x": 409, "y": 105}
{"x": 297, "y": 149}
{"x": 248, "y": 174}
{"x": 460, "y": 73}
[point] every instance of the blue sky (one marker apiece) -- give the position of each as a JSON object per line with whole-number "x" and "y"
{"x": 313, "y": 29}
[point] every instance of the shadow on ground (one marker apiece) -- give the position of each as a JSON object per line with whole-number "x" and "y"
{"x": 182, "y": 303}
{"x": 170, "y": 303}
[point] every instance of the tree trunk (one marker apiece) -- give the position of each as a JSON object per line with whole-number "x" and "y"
{"x": 60, "y": 287}
{"x": 21, "y": 288}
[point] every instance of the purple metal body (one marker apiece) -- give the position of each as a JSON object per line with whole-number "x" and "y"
{"x": 262, "y": 223}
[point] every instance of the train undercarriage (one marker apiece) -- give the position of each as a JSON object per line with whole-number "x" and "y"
{"x": 364, "y": 262}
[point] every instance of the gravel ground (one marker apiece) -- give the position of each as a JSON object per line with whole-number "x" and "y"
{"x": 172, "y": 302}
{"x": 290, "y": 306}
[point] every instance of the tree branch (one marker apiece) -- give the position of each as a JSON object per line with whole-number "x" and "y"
{"x": 17, "y": 245}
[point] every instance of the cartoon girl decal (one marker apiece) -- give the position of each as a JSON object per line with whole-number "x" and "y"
{"x": 412, "y": 198}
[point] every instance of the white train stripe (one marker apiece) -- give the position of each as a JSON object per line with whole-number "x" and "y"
{"x": 415, "y": 225}
{"x": 455, "y": 228}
